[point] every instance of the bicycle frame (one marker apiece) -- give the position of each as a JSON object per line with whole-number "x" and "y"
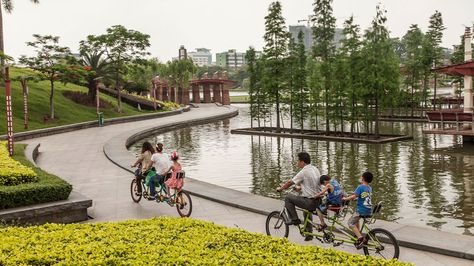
{"x": 161, "y": 190}
{"x": 335, "y": 225}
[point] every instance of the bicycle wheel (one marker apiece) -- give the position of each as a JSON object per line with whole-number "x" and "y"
{"x": 184, "y": 204}
{"x": 136, "y": 196}
{"x": 381, "y": 243}
{"x": 275, "y": 225}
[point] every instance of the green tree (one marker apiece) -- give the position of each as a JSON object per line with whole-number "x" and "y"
{"x": 275, "y": 49}
{"x": 97, "y": 68}
{"x": 380, "y": 69}
{"x": 179, "y": 73}
{"x": 414, "y": 68}
{"x": 300, "y": 75}
{"x": 351, "y": 49}
{"x": 433, "y": 53}
{"x": 251, "y": 59}
{"x": 52, "y": 62}
{"x": 323, "y": 33}
{"x": 122, "y": 46}
{"x": 141, "y": 73}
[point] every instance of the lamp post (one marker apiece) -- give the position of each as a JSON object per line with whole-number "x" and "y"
{"x": 97, "y": 97}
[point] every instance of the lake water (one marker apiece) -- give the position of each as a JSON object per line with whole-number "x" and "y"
{"x": 425, "y": 182}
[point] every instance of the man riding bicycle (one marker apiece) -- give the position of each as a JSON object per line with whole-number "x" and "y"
{"x": 308, "y": 181}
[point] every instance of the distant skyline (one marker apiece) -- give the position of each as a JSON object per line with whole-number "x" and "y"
{"x": 218, "y": 25}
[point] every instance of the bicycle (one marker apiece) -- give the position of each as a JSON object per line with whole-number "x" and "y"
{"x": 180, "y": 199}
{"x": 378, "y": 241}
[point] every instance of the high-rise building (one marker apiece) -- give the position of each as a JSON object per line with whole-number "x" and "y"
{"x": 183, "y": 54}
{"x": 308, "y": 36}
{"x": 230, "y": 59}
{"x": 201, "y": 57}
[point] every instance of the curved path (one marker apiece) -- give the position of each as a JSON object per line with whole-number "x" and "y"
{"x": 78, "y": 157}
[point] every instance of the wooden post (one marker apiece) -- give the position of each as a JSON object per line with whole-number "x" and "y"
{"x": 8, "y": 98}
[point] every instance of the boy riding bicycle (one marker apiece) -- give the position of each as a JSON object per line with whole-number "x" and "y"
{"x": 362, "y": 194}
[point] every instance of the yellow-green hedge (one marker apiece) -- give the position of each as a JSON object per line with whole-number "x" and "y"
{"x": 13, "y": 172}
{"x": 163, "y": 241}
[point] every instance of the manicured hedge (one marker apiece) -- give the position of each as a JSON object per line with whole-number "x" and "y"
{"x": 13, "y": 172}
{"x": 47, "y": 188}
{"x": 163, "y": 241}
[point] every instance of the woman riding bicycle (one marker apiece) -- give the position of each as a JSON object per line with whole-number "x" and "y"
{"x": 145, "y": 160}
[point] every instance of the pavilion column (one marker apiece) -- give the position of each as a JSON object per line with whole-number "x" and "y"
{"x": 196, "y": 95}
{"x": 180, "y": 95}
{"x": 225, "y": 94}
{"x": 165, "y": 96}
{"x": 207, "y": 93}
{"x": 159, "y": 93}
{"x": 185, "y": 96}
{"x": 468, "y": 96}
{"x": 216, "y": 93}
{"x": 173, "y": 94}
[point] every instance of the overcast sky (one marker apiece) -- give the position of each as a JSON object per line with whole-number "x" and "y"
{"x": 215, "y": 24}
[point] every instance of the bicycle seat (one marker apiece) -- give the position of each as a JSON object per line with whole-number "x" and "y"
{"x": 335, "y": 208}
{"x": 365, "y": 216}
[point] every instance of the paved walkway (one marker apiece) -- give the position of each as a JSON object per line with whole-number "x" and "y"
{"x": 78, "y": 157}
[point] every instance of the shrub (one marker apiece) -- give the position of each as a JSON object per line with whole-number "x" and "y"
{"x": 47, "y": 188}
{"x": 13, "y": 172}
{"x": 163, "y": 241}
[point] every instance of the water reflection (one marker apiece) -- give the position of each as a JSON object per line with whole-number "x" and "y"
{"x": 425, "y": 182}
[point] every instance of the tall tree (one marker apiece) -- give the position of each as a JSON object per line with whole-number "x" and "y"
{"x": 251, "y": 59}
{"x": 121, "y": 46}
{"x": 300, "y": 85}
{"x": 323, "y": 33}
{"x": 351, "y": 48}
{"x": 52, "y": 63}
{"x": 433, "y": 53}
{"x": 414, "y": 68}
{"x": 381, "y": 70}
{"x": 275, "y": 49}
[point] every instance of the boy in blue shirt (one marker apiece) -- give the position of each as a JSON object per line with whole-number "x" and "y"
{"x": 362, "y": 194}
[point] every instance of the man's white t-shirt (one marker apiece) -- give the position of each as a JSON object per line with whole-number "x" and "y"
{"x": 161, "y": 162}
{"x": 308, "y": 179}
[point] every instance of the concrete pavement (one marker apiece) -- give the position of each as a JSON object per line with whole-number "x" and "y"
{"x": 78, "y": 158}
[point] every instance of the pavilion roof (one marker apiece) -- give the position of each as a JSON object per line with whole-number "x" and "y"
{"x": 459, "y": 70}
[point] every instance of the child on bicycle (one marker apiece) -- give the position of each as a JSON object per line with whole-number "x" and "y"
{"x": 362, "y": 194}
{"x": 144, "y": 159}
{"x": 334, "y": 197}
{"x": 176, "y": 180}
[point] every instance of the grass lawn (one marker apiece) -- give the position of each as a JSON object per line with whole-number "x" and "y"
{"x": 67, "y": 111}
{"x": 239, "y": 99}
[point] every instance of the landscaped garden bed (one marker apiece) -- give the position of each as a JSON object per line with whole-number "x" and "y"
{"x": 40, "y": 187}
{"x": 320, "y": 135}
{"x": 163, "y": 241}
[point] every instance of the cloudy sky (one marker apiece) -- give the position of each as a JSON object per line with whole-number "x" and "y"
{"x": 216, "y": 24}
